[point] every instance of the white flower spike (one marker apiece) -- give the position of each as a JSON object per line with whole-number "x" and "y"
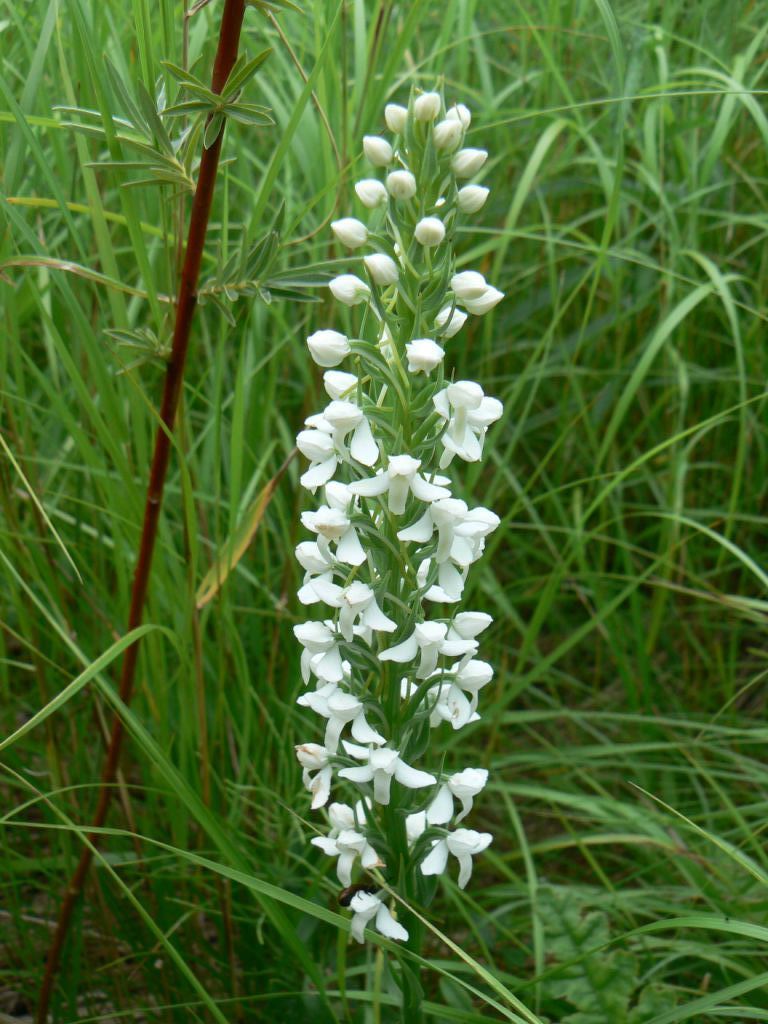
{"x": 390, "y": 654}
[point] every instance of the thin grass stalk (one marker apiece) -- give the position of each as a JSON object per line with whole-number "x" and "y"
{"x": 226, "y": 55}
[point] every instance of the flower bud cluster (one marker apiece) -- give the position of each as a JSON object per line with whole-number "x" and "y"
{"x": 387, "y": 653}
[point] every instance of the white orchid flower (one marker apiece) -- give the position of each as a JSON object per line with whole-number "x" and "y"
{"x": 321, "y": 654}
{"x": 469, "y": 284}
{"x": 383, "y": 765}
{"x": 317, "y": 446}
{"x": 429, "y": 640}
{"x": 469, "y": 541}
{"x": 332, "y": 525}
{"x": 401, "y": 476}
{"x": 340, "y": 708}
{"x": 314, "y": 758}
{"x": 464, "y": 844}
{"x": 344, "y": 417}
{"x": 470, "y": 676}
{"x": 449, "y": 586}
{"x": 357, "y": 604}
{"x": 464, "y": 786}
{"x": 348, "y": 845}
{"x": 484, "y": 303}
{"x": 449, "y": 703}
{"x": 366, "y": 905}
{"x": 317, "y": 565}
{"x": 469, "y": 414}
{"x": 423, "y": 355}
{"x": 444, "y": 515}
{"x": 339, "y": 384}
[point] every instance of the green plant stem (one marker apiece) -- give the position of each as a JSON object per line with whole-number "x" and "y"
{"x": 226, "y": 55}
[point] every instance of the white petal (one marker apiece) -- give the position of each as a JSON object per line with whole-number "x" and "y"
{"x": 426, "y": 491}
{"x": 413, "y": 778}
{"x": 465, "y": 869}
{"x": 349, "y": 549}
{"x": 406, "y": 651}
{"x": 387, "y": 925}
{"x": 319, "y": 474}
{"x": 435, "y": 862}
{"x": 371, "y": 487}
{"x": 344, "y": 866}
{"x": 326, "y": 845}
{"x": 421, "y": 530}
{"x": 363, "y": 732}
{"x": 374, "y": 618}
{"x": 362, "y": 774}
{"x": 363, "y": 447}
{"x": 440, "y": 810}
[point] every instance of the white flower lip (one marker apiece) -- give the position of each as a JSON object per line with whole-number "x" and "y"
{"x": 371, "y": 192}
{"x": 377, "y": 150}
{"x": 430, "y": 231}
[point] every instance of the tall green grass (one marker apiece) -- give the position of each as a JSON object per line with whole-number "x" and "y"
{"x": 624, "y": 731}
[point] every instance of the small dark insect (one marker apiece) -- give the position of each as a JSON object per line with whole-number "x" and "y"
{"x": 346, "y": 895}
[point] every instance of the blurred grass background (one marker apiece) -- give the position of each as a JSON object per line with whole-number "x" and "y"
{"x": 628, "y": 881}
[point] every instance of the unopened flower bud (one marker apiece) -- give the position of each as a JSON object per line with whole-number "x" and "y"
{"x": 471, "y": 198}
{"x": 401, "y": 184}
{"x": 468, "y": 162}
{"x": 377, "y": 150}
{"x": 396, "y": 117}
{"x": 382, "y": 268}
{"x": 429, "y": 231}
{"x": 447, "y": 135}
{"x": 423, "y": 355}
{"x": 349, "y": 289}
{"x": 328, "y": 348}
{"x": 450, "y": 323}
{"x": 371, "y": 192}
{"x": 350, "y": 232}
{"x": 461, "y": 114}
{"x": 427, "y": 106}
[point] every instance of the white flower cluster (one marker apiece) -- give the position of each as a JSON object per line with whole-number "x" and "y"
{"x": 391, "y": 542}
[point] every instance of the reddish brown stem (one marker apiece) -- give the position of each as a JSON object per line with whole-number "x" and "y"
{"x": 226, "y": 55}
